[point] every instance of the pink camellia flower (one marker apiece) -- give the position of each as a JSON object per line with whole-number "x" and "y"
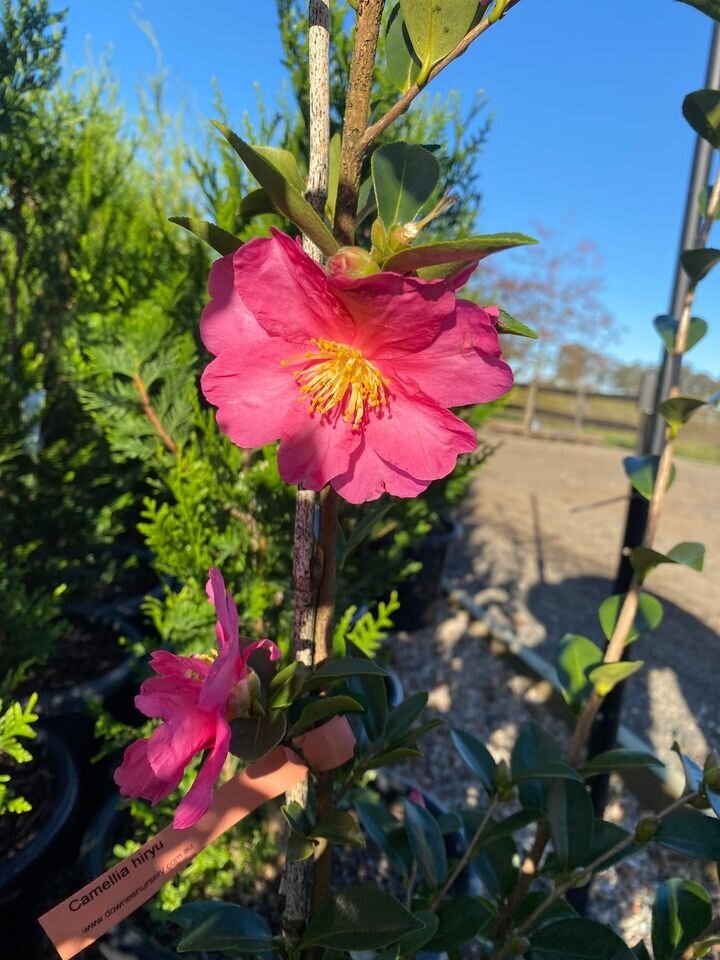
{"x": 354, "y": 375}
{"x": 196, "y": 697}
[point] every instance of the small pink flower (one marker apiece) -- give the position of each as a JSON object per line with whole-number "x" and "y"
{"x": 196, "y": 698}
{"x": 354, "y": 375}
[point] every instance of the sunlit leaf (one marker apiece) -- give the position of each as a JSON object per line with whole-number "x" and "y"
{"x": 217, "y": 238}
{"x": 648, "y": 616}
{"x": 608, "y": 675}
{"x": 701, "y": 109}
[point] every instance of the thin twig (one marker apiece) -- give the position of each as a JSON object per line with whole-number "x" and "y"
{"x": 466, "y": 857}
{"x": 151, "y": 413}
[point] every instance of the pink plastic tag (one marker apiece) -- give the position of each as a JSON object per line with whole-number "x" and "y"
{"x": 96, "y": 908}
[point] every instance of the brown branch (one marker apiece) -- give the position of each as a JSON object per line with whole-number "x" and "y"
{"x": 357, "y": 110}
{"x": 402, "y": 105}
{"x": 151, "y": 413}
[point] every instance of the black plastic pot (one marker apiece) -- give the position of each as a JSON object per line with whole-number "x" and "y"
{"x": 127, "y": 941}
{"x": 419, "y": 594}
{"x": 27, "y": 878}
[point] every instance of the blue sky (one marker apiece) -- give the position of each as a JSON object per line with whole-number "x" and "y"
{"x": 587, "y": 125}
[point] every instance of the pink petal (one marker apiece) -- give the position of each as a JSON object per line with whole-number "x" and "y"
{"x": 168, "y": 664}
{"x": 417, "y": 436}
{"x": 272, "y": 648}
{"x": 173, "y": 744}
{"x": 225, "y": 608}
{"x": 226, "y": 322}
{"x": 314, "y": 448}
{"x": 252, "y": 390}
{"x": 394, "y": 314}
{"x": 135, "y": 777}
{"x": 463, "y": 364}
{"x": 165, "y": 697}
{"x": 227, "y": 670}
{"x": 369, "y": 476}
{"x": 288, "y": 292}
{"x": 197, "y": 800}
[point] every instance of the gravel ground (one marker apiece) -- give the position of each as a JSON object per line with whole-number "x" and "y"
{"x": 481, "y": 692}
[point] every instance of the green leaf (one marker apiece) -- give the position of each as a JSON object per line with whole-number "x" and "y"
{"x": 701, "y": 109}
{"x": 709, "y": 7}
{"x": 563, "y": 940}
{"x": 436, "y": 27}
{"x": 537, "y": 755}
{"x": 642, "y": 473}
{"x": 253, "y": 737}
{"x": 606, "y": 836}
{"x": 697, "y": 264}
{"x": 214, "y": 236}
{"x": 496, "y": 865}
{"x": 450, "y": 251}
{"x": 383, "y": 828}
{"x": 570, "y": 818}
{"x": 287, "y": 200}
{"x": 608, "y": 675}
{"x": 577, "y": 655}
{"x": 321, "y": 709}
{"x": 443, "y": 271}
{"x": 645, "y": 559}
{"x": 641, "y": 951}
{"x": 693, "y": 771}
{"x": 461, "y": 919}
{"x": 497, "y": 829}
{"x": 333, "y": 174}
{"x": 426, "y": 843}
{"x": 255, "y": 204}
{"x": 508, "y": 324}
{"x": 560, "y": 910}
{"x": 287, "y": 684}
{"x": 681, "y": 912}
{"x": 402, "y": 61}
{"x": 649, "y": 615}
{"x": 410, "y": 944}
{"x": 667, "y": 328}
{"x": 611, "y": 760}
{"x": 372, "y": 514}
{"x": 691, "y": 833}
{"x": 704, "y": 199}
{"x": 404, "y": 177}
{"x": 341, "y": 669}
{"x": 228, "y": 928}
{"x": 395, "y": 755}
{"x": 340, "y": 827}
{"x": 404, "y": 716}
{"x": 359, "y": 918}
{"x": 285, "y": 164}
{"x": 298, "y": 847}
{"x": 476, "y": 757}
{"x": 678, "y": 410}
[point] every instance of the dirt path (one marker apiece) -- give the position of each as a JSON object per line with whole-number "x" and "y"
{"x": 544, "y": 521}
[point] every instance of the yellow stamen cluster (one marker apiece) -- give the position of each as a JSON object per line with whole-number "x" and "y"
{"x": 339, "y": 374}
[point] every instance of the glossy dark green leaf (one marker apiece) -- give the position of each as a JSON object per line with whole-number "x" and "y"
{"x": 606, "y": 836}
{"x": 691, "y": 833}
{"x": 608, "y": 675}
{"x": 562, "y": 940}
{"x": 461, "y": 919}
{"x": 298, "y": 848}
{"x": 689, "y": 554}
{"x": 341, "y": 669}
{"x": 508, "y": 324}
{"x": 649, "y": 615}
{"x": 570, "y": 818}
{"x": 667, "y": 329}
{"x": 677, "y": 411}
{"x": 253, "y": 737}
{"x": 449, "y": 251}
{"x": 709, "y": 7}
{"x": 497, "y": 829}
{"x": 340, "y": 827}
{"x": 619, "y": 759}
{"x": 404, "y": 716}
{"x": 537, "y": 755}
{"x": 287, "y": 684}
{"x": 380, "y": 825}
{"x": 359, "y": 918}
{"x": 404, "y": 176}
{"x": 410, "y": 944}
{"x": 476, "y": 757}
{"x": 641, "y": 951}
{"x": 701, "y": 109}
{"x": 681, "y": 912}
{"x": 231, "y": 929}
{"x": 371, "y": 691}
{"x": 642, "y": 473}
{"x": 577, "y": 655}
{"x": 426, "y": 843}
{"x": 372, "y": 514}
{"x": 287, "y": 200}
{"x": 402, "y": 61}
{"x": 396, "y": 755}
{"x": 560, "y": 910}
{"x": 697, "y": 264}
{"x": 322, "y": 709}
{"x": 214, "y": 236}
{"x": 496, "y": 865}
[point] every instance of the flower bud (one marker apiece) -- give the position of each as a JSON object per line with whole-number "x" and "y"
{"x": 352, "y": 262}
{"x": 711, "y": 771}
{"x": 245, "y": 698}
{"x": 646, "y": 828}
{"x": 519, "y": 946}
